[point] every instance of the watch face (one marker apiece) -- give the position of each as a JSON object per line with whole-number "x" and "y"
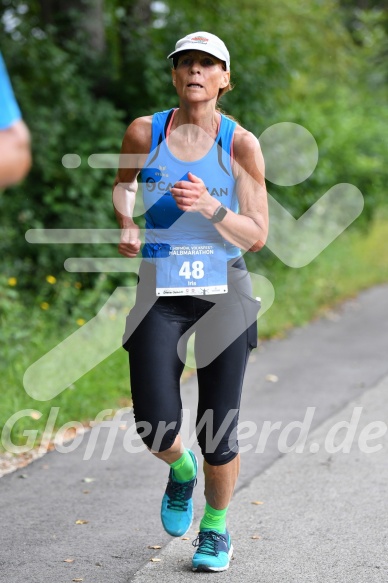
{"x": 219, "y": 214}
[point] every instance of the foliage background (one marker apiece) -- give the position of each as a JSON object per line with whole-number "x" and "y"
{"x": 82, "y": 70}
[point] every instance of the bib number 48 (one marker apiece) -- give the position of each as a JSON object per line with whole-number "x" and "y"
{"x": 193, "y": 270}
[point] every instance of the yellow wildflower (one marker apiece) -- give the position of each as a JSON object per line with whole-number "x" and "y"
{"x": 44, "y": 306}
{"x": 51, "y": 279}
{"x": 12, "y": 281}
{"x": 78, "y": 284}
{"x": 80, "y": 321}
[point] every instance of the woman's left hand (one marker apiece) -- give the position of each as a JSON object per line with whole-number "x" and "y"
{"x": 192, "y": 195}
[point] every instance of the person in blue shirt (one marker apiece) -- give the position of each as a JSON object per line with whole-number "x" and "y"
{"x": 15, "y": 154}
{"x": 205, "y": 199}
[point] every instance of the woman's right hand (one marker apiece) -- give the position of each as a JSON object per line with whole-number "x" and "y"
{"x": 134, "y": 151}
{"x": 130, "y": 243}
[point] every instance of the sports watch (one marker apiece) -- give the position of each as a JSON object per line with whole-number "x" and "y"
{"x": 219, "y": 214}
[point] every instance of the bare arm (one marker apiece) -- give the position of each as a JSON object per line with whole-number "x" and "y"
{"x": 248, "y": 229}
{"x": 15, "y": 153}
{"x": 134, "y": 150}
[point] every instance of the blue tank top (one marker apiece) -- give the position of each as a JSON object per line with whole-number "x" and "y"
{"x": 165, "y": 222}
{"x": 9, "y": 109}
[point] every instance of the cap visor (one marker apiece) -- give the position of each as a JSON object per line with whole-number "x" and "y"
{"x": 198, "y": 47}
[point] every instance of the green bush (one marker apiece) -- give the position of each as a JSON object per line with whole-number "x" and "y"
{"x": 64, "y": 117}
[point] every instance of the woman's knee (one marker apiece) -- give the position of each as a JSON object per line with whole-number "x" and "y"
{"x": 158, "y": 436}
{"x": 217, "y": 436}
{"x": 218, "y": 453}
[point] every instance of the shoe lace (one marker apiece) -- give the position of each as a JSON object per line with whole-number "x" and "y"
{"x": 207, "y": 542}
{"x": 177, "y": 496}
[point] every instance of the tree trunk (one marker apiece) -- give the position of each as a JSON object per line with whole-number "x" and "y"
{"x": 93, "y": 24}
{"x": 76, "y": 16}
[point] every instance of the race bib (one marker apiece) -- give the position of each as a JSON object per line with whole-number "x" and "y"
{"x": 192, "y": 269}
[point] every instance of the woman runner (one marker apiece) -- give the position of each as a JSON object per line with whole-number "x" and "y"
{"x": 205, "y": 200}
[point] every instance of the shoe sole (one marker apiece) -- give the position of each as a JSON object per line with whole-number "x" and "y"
{"x": 207, "y": 569}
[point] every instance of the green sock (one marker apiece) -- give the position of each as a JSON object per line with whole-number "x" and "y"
{"x": 214, "y": 519}
{"x": 183, "y": 468}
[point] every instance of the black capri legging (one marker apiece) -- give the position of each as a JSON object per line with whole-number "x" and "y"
{"x": 156, "y": 335}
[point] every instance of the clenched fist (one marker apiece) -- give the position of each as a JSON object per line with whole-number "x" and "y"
{"x": 130, "y": 243}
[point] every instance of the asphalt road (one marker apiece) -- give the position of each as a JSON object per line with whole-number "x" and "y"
{"x": 322, "y": 517}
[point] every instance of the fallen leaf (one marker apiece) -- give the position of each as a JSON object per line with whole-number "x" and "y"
{"x": 68, "y": 561}
{"x": 68, "y": 434}
{"x": 256, "y": 537}
{"x": 81, "y": 521}
{"x": 185, "y": 538}
{"x": 23, "y": 475}
{"x": 98, "y": 564}
{"x": 86, "y": 491}
{"x": 88, "y": 480}
{"x": 257, "y": 502}
{"x": 78, "y": 579}
{"x": 154, "y": 560}
{"x": 154, "y": 547}
{"x": 272, "y": 378}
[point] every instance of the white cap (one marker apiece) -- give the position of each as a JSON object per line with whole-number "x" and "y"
{"x": 206, "y": 42}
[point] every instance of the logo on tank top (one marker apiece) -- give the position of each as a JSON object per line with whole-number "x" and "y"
{"x": 165, "y": 187}
{"x": 218, "y": 192}
{"x": 162, "y": 173}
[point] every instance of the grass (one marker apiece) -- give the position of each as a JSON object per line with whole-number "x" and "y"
{"x": 354, "y": 261}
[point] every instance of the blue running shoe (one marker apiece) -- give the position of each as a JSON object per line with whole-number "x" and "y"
{"x": 177, "y": 503}
{"x": 214, "y": 551}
